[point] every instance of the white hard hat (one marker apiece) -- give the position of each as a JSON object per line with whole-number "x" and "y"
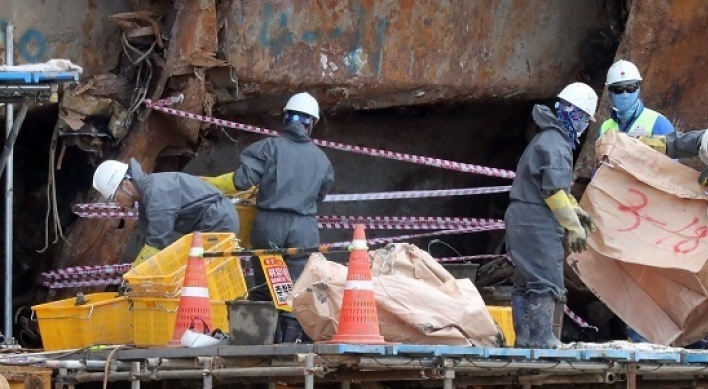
{"x": 305, "y": 103}
{"x": 623, "y": 72}
{"x": 107, "y": 177}
{"x": 582, "y": 96}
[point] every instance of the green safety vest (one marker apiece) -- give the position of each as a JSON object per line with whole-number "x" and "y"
{"x": 642, "y": 126}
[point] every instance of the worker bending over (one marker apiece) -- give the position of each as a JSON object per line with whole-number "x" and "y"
{"x": 168, "y": 202}
{"x": 542, "y": 214}
{"x": 292, "y": 175}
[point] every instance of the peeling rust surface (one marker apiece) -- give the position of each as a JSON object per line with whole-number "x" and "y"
{"x": 666, "y": 40}
{"x": 431, "y": 50}
{"x": 72, "y": 29}
{"x": 101, "y": 242}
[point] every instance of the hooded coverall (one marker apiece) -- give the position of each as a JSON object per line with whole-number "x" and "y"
{"x": 534, "y": 238}
{"x": 178, "y": 202}
{"x": 293, "y": 175}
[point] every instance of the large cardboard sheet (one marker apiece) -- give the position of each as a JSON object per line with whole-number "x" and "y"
{"x": 647, "y": 260}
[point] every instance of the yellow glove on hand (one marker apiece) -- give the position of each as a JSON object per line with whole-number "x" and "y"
{"x": 657, "y": 143}
{"x": 145, "y": 254}
{"x": 584, "y": 217}
{"x": 560, "y": 205}
{"x": 224, "y": 182}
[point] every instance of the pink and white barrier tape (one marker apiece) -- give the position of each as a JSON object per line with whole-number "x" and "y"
{"x": 417, "y": 159}
{"x": 467, "y": 221}
{"x": 164, "y": 102}
{"x": 83, "y": 283}
{"x": 100, "y": 271}
{"x": 577, "y": 319}
{"x": 414, "y": 194}
{"x": 470, "y": 258}
{"x": 390, "y": 239}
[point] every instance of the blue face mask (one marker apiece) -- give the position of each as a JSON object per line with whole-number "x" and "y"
{"x": 625, "y": 104}
{"x": 575, "y": 120}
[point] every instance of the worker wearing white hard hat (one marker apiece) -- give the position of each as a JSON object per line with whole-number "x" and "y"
{"x": 543, "y": 215}
{"x": 629, "y": 115}
{"x": 292, "y": 175}
{"x": 168, "y": 202}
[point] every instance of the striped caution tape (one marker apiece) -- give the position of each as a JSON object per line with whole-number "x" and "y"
{"x": 417, "y": 159}
{"x": 83, "y": 283}
{"x": 164, "y": 102}
{"x": 390, "y": 239}
{"x": 414, "y": 194}
{"x": 370, "y": 225}
{"x": 75, "y": 272}
{"x": 470, "y": 258}
{"x": 464, "y": 221}
{"x": 577, "y": 319}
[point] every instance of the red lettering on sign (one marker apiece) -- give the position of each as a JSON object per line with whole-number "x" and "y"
{"x": 684, "y": 246}
{"x": 634, "y": 210}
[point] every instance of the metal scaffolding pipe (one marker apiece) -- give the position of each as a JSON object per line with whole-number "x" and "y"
{"x": 483, "y": 365}
{"x": 9, "y": 180}
{"x": 197, "y": 374}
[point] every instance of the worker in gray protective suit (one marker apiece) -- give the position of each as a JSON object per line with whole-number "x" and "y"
{"x": 293, "y": 175}
{"x": 542, "y": 213}
{"x": 682, "y": 145}
{"x": 168, "y": 202}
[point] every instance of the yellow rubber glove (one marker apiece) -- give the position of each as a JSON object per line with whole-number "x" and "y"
{"x": 145, "y": 254}
{"x": 657, "y": 143}
{"x": 584, "y": 217}
{"x": 224, "y": 183}
{"x": 560, "y": 205}
{"x": 703, "y": 178}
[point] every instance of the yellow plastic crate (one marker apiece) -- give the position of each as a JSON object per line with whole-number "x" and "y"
{"x": 503, "y": 317}
{"x": 163, "y": 274}
{"x": 104, "y": 319}
{"x": 225, "y": 277}
{"x": 154, "y": 319}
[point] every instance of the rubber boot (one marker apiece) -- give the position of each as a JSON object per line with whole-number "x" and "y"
{"x": 540, "y": 321}
{"x": 289, "y": 330}
{"x": 520, "y": 314}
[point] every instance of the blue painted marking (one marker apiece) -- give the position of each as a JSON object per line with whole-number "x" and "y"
{"x": 335, "y": 33}
{"x": 507, "y": 353}
{"x": 557, "y": 354}
{"x": 612, "y": 355}
{"x": 32, "y": 46}
{"x": 310, "y": 36}
{"x": 380, "y": 35}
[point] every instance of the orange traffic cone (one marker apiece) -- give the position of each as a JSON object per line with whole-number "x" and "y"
{"x": 358, "y": 319}
{"x": 194, "y": 302}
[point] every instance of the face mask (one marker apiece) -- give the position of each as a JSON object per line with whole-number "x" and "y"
{"x": 625, "y": 102}
{"x": 575, "y": 120}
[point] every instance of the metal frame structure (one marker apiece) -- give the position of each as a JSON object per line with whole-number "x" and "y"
{"x": 340, "y": 364}
{"x": 21, "y": 87}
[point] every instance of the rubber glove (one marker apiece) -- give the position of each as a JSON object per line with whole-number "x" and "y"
{"x": 560, "y": 205}
{"x": 224, "y": 182}
{"x": 584, "y": 217}
{"x": 657, "y": 143}
{"x": 145, "y": 253}
{"x": 703, "y": 178}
